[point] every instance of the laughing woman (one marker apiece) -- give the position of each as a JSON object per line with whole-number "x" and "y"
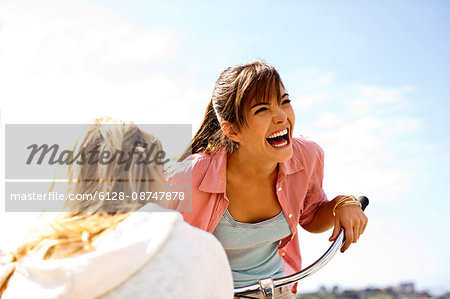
{"x": 253, "y": 182}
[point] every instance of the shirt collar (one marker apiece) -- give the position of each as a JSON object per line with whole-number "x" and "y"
{"x": 215, "y": 178}
{"x": 294, "y": 164}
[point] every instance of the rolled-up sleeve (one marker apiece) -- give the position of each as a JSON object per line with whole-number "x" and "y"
{"x": 312, "y": 204}
{"x": 315, "y": 196}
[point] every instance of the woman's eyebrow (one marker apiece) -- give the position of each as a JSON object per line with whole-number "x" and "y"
{"x": 268, "y": 103}
{"x": 257, "y": 104}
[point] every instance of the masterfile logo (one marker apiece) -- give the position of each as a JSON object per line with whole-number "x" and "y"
{"x": 44, "y": 162}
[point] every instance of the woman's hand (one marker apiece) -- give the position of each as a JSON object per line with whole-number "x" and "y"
{"x": 354, "y": 222}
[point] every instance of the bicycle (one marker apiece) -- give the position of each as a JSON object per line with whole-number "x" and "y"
{"x": 267, "y": 285}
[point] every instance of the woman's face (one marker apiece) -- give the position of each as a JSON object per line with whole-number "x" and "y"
{"x": 268, "y": 133}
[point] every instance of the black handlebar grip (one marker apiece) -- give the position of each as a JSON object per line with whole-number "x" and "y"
{"x": 364, "y": 202}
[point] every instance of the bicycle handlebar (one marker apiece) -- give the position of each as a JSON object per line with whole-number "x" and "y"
{"x": 267, "y": 285}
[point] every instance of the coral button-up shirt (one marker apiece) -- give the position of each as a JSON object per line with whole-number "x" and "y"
{"x": 298, "y": 188}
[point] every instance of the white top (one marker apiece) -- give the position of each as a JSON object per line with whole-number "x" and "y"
{"x": 149, "y": 255}
{"x": 252, "y": 248}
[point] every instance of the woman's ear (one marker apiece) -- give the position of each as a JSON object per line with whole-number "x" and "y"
{"x": 230, "y": 130}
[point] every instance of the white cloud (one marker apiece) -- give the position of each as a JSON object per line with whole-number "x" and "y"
{"x": 365, "y": 97}
{"x": 308, "y": 87}
{"x": 361, "y": 140}
{"x": 73, "y": 61}
{"x": 324, "y": 80}
{"x": 308, "y": 100}
{"x": 307, "y": 79}
{"x": 69, "y": 36}
{"x": 329, "y": 120}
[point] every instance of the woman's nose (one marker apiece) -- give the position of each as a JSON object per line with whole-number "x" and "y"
{"x": 279, "y": 116}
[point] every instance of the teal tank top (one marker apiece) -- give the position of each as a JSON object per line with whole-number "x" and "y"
{"x": 252, "y": 248}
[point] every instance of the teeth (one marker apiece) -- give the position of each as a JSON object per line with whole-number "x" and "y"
{"x": 281, "y": 133}
{"x": 280, "y": 145}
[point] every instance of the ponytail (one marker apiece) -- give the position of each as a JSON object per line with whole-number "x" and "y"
{"x": 207, "y": 138}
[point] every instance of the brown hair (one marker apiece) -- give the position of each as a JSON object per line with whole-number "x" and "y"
{"x": 235, "y": 88}
{"x": 75, "y": 232}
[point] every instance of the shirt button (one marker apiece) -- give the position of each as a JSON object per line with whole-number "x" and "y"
{"x": 279, "y": 188}
{"x": 290, "y": 215}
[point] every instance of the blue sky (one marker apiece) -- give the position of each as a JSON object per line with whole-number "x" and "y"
{"x": 369, "y": 82}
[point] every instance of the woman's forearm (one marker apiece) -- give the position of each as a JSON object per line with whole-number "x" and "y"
{"x": 323, "y": 219}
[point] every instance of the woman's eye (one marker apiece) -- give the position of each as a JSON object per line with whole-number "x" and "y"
{"x": 286, "y": 101}
{"x": 260, "y": 110}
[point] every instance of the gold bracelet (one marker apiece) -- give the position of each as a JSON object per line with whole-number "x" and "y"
{"x": 346, "y": 200}
{"x": 343, "y": 199}
{"x": 339, "y": 202}
{"x": 351, "y": 203}
{"x": 348, "y": 203}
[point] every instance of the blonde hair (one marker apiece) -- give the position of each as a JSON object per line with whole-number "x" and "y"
{"x": 75, "y": 232}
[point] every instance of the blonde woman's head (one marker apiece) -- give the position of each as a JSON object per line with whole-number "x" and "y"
{"x": 76, "y": 232}
{"x": 121, "y": 163}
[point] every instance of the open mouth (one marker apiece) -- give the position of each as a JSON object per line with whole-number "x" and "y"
{"x": 279, "y": 139}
